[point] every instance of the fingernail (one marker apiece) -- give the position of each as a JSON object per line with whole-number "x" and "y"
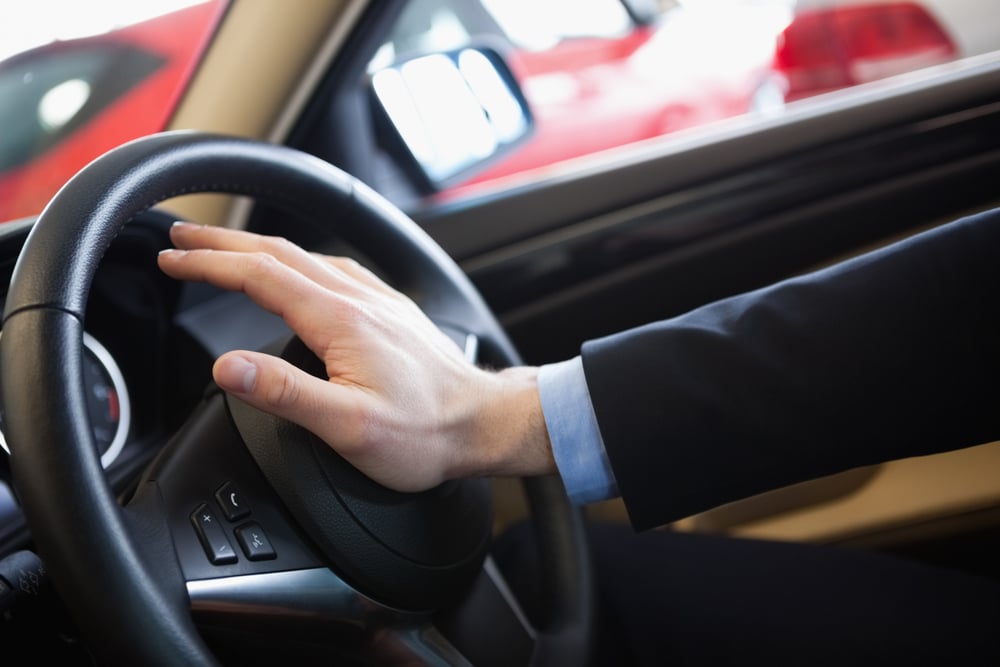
{"x": 182, "y": 223}
{"x": 166, "y": 251}
{"x": 236, "y": 374}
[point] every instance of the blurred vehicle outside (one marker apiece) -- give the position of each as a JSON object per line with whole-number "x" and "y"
{"x": 620, "y": 72}
{"x": 66, "y": 101}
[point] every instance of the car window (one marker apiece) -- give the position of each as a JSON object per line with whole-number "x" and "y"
{"x": 602, "y": 74}
{"x": 540, "y": 26}
{"x": 87, "y": 78}
{"x": 50, "y": 93}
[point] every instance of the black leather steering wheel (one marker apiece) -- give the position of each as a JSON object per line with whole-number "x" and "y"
{"x": 325, "y": 560}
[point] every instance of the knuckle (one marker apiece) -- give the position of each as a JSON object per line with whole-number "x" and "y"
{"x": 284, "y": 392}
{"x": 348, "y": 263}
{"x": 277, "y": 244}
{"x": 261, "y": 264}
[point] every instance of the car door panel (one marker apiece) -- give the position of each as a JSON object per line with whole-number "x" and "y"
{"x": 722, "y": 213}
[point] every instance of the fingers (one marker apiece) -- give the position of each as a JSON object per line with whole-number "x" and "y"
{"x": 273, "y": 285}
{"x": 187, "y": 236}
{"x": 311, "y": 292}
{"x": 337, "y": 273}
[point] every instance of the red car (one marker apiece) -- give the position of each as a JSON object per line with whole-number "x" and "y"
{"x": 612, "y": 74}
{"x": 830, "y": 45}
{"x": 67, "y": 102}
{"x": 640, "y": 77}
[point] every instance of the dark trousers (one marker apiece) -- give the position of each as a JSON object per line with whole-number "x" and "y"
{"x": 669, "y": 598}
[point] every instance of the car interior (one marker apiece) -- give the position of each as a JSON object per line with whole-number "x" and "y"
{"x": 103, "y": 555}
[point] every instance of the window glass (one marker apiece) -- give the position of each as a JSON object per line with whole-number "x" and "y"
{"x": 543, "y": 25}
{"x": 599, "y": 74}
{"x": 53, "y": 92}
{"x": 77, "y": 79}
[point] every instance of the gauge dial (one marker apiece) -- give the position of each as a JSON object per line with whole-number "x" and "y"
{"x": 107, "y": 401}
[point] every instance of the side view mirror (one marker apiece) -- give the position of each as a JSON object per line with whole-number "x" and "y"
{"x": 451, "y": 113}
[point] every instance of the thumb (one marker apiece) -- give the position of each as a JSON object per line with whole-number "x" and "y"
{"x": 282, "y": 389}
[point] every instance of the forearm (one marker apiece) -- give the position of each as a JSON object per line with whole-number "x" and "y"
{"x": 891, "y": 355}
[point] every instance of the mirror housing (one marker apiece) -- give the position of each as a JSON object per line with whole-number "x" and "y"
{"x": 643, "y": 12}
{"x": 450, "y": 114}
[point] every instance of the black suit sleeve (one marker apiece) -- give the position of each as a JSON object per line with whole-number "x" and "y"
{"x": 892, "y": 354}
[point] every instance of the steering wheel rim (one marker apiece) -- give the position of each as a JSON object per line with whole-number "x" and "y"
{"x": 98, "y": 554}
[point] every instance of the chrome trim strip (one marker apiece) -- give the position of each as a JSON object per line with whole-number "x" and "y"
{"x": 317, "y": 593}
{"x": 124, "y": 404}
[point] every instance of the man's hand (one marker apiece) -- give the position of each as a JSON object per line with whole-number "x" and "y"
{"x": 402, "y": 403}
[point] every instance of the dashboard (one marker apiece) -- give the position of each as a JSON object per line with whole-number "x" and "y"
{"x": 149, "y": 346}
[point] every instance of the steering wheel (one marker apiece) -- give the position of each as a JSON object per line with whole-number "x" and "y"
{"x": 247, "y": 530}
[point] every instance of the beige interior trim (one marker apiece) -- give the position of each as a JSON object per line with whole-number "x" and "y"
{"x": 924, "y": 490}
{"x": 257, "y": 87}
{"x": 880, "y": 506}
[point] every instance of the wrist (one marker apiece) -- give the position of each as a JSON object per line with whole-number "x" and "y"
{"x": 507, "y": 436}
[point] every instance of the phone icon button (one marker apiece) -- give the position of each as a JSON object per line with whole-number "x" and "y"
{"x": 232, "y": 502}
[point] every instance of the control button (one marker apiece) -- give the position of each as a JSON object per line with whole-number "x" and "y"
{"x": 254, "y": 542}
{"x": 232, "y": 502}
{"x": 213, "y": 536}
